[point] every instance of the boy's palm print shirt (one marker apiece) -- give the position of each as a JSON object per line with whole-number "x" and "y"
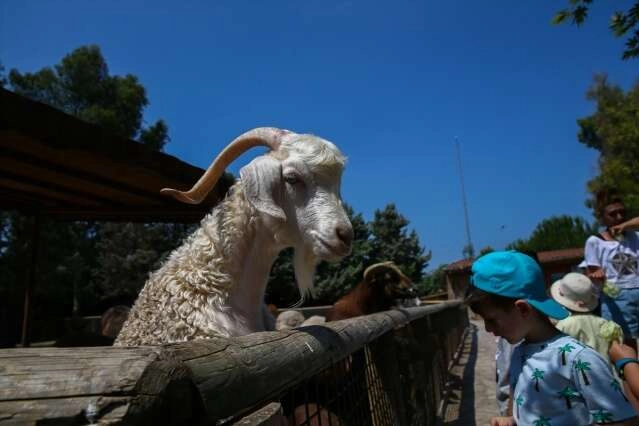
{"x": 561, "y": 382}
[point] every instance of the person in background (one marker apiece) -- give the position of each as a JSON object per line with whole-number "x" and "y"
{"x": 577, "y": 293}
{"x": 612, "y": 259}
{"x": 555, "y": 380}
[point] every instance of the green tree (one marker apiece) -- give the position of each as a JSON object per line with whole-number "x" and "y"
{"x": 555, "y": 233}
{"x": 77, "y": 262}
{"x": 392, "y": 241}
{"x": 621, "y": 23}
{"x": 60, "y": 275}
{"x": 281, "y": 289}
{"x": 486, "y": 250}
{"x": 432, "y": 282}
{"x": 468, "y": 252}
{"x": 127, "y": 252}
{"x": 3, "y": 79}
{"x": 81, "y": 85}
{"x": 613, "y": 131}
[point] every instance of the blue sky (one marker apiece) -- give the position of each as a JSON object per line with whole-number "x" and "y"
{"x": 391, "y": 83}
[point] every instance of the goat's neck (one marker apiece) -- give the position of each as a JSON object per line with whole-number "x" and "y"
{"x": 370, "y": 299}
{"x": 251, "y": 274}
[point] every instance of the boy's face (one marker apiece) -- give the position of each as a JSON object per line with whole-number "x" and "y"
{"x": 510, "y": 324}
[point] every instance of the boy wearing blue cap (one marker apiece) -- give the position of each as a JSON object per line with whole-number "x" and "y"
{"x": 555, "y": 380}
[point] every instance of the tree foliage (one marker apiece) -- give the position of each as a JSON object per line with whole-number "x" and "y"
{"x": 392, "y": 241}
{"x": 65, "y": 258}
{"x": 432, "y": 282}
{"x": 81, "y": 265}
{"x": 555, "y": 233}
{"x": 3, "y": 78}
{"x": 127, "y": 252}
{"x": 468, "y": 252}
{"x": 486, "y": 250}
{"x": 622, "y": 23}
{"x": 81, "y": 86}
{"x": 613, "y": 130}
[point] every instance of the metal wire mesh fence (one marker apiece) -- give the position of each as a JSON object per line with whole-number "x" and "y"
{"x": 397, "y": 378}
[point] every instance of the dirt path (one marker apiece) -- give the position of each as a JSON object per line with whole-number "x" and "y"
{"x": 472, "y": 401}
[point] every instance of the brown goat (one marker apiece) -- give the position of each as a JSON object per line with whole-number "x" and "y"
{"x": 382, "y": 286}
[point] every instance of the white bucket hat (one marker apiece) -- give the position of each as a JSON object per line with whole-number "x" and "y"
{"x": 576, "y": 292}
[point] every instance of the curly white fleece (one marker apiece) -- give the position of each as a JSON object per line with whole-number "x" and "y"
{"x": 185, "y": 298}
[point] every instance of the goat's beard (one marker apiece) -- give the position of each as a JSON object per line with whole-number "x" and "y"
{"x": 304, "y": 262}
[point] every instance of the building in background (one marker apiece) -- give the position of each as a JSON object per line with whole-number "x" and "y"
{"x": 554, "y": 264}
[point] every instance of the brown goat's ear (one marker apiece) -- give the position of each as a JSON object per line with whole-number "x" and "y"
{"x": 262, "y": 181}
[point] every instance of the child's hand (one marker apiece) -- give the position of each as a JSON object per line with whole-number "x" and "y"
{"x": 503, "y": 421}
{"x": 619, "y": 350}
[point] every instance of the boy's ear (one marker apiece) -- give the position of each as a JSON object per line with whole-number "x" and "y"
{"x": 523, "y": 307}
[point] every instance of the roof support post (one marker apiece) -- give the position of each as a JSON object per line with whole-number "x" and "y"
{"x": 32, "y": 277}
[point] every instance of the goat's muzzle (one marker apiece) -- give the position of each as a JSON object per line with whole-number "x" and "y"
{"x": 345, "y": 236}
{"x": 331, "y": 248}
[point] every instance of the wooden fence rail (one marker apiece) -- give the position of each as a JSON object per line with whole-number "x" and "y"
{"x": 197, "y": 382}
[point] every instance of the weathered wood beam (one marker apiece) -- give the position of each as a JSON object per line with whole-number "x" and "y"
{"x": 191, "y": 382}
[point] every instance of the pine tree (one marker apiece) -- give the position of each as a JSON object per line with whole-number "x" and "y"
{"x": 392, "y": 241}
{"x": 612, "y": 130}
{"x": 555, "y": 233}
{"x": 69, "y": 259}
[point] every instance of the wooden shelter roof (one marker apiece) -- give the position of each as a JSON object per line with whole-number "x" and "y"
{"x": 551, "y": 257}
{"x": 65, "y": 168}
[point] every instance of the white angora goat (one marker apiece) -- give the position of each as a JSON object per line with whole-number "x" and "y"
{"x": 214, "y": 283}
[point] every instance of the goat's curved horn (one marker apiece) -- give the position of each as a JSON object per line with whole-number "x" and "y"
{"x": 385, "y": 265}
{"x": 261, "y": 136}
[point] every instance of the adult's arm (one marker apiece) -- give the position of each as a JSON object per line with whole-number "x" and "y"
{"x": 629, "y": 225}
{"x": 630, "y": 370}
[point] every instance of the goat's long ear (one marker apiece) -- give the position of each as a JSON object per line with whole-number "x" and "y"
{"x": 262, "y": 180}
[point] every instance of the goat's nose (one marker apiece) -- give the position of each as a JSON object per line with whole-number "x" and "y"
{"x": 345, "y": 234}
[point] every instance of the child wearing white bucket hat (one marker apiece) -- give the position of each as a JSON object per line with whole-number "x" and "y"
{"x": 578, "y": 294}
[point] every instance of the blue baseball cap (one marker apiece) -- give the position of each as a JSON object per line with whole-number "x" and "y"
{"x": 516, "y": 275}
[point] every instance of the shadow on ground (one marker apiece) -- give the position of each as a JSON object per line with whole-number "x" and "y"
{"x": 460, "y": 408}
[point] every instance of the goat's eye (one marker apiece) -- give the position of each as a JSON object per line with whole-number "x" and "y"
{"x": 291, "y": 179}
